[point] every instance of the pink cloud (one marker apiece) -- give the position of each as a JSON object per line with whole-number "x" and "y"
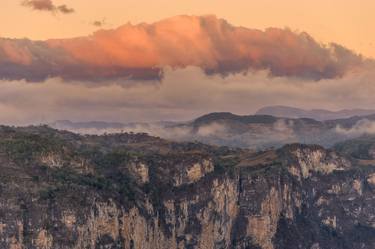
{"x": 142, "y": 52}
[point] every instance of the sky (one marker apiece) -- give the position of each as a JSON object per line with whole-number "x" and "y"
{"x": 122, "y": 60}
{"x": 349, "y": 22}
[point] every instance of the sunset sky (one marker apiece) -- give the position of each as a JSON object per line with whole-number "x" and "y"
{"x": 348, "y": 22}
{"x": 173, "y": 60}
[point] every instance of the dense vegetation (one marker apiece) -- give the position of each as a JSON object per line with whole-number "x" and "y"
{"x": 60, "y": 163}
{"x": 359, "y": 148}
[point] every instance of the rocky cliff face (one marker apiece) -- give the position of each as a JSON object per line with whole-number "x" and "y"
{"x": 60, "y": 190}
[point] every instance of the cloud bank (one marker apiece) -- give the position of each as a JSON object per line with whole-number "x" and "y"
{"x": 47, "y": 5}
{"x": 143, "y": 51}
{"x": 183, "y": 95}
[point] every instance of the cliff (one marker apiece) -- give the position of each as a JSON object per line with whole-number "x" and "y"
{"x": 60, "y": 190}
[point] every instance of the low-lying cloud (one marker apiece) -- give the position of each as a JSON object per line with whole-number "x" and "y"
{"x": 255, "y": 136}
{"x": 47, "y": 5}
{"x": 143, "y": 51}
{"x": 184, "y": 94}
{"x": 363, "y": 126}
{"x": 217, "y": 133}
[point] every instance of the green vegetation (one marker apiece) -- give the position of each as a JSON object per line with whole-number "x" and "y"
{"x": 112, "y": 159}
{"x": 48, "y": 193}
{"x": 358, "y": 148}
{"x": 120, "y": 187}
{"x": 226, "y": 164}
{"x": 25, "y": 146}
{"x": 67, "y": 177}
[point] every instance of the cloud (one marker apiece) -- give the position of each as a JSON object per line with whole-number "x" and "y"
{"x": 363, "y": 126}
{"x": 143, "y": 52}
{"x": 65, "y": 9}
{"x": 47, "y": 5}
{"x": 99, "y": 23}
{"x": 211, "y": 129}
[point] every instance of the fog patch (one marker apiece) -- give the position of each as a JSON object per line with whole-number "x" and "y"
{"x": 363, "y": 126}
{"x": 211, "y": 129}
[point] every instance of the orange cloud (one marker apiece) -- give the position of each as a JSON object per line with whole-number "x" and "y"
{"x": 142, "y": 51}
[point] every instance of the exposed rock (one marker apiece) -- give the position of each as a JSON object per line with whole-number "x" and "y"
{"x": 51, "y": 160}
{"x": 318, "y": 160}
{"x": 193, "y": 172}
{"x": 371, "y": 180}
{"x": 139, "y": 171}
{"x": 44, "y": 240}
{"x": 198, "y": 170}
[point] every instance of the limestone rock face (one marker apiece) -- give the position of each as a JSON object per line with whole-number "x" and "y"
{"x": 318, "y": 160}
{"x": 139, "y": 171}
{"x": 193, "y": 172}
{"x": 138, "y": 192}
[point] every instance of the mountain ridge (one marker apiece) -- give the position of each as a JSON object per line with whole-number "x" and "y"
{"x": 317, "y": 114}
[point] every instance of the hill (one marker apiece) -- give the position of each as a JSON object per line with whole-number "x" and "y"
{"x": 317, "y": 114}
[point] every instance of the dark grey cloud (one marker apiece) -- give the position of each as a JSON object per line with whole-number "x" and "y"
{"x": 47, "y": 5}
{"x": 99, "y": 23}
{"x": 65, "y": 9}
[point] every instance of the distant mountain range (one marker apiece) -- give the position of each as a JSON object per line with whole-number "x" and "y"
{"x": 248, "y": 131}
{"x": 317, "y": 114}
